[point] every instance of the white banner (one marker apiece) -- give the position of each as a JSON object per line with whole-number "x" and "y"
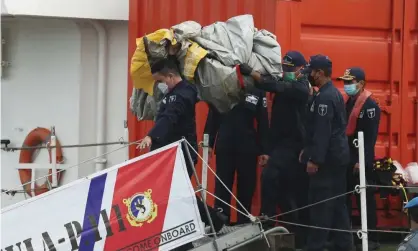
{"x": 147, "y": 203}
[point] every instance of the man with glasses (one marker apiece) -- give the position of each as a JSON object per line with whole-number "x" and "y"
{"x": 363, "y": 114}
{"x": 326, "y": 157}
{"x": 284, "y": 180}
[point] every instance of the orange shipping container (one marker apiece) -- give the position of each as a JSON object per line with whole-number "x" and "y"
{"x": 379, "y": 35}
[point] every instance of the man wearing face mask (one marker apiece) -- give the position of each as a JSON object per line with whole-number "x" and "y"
{"x": 326, "y": 157}
{"x": 238, "y": 144}
{"x": 175, "y": 120}
{"x": 287, "y": 128}
{"x": 363, "y": 115}
{"x": 312, "y": 91}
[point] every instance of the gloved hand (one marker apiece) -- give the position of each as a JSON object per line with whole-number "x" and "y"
{"x": 245, "y": 69}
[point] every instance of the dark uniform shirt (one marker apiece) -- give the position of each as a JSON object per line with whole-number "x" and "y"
{"x": 326, "y": 132}
{"x": 410, "y": 243}
{"x": 288, "y": 113}
{"x": 235, "y": 131}
{"x": 368, "y": 123}
{"x": 176, "y": 117}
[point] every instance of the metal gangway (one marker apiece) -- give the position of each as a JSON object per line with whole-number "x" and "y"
{"x": 230, "y": 237}
{"x": 238, "y": 238}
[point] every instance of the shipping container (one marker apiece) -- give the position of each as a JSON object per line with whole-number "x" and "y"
{"x": 379, "y": 35}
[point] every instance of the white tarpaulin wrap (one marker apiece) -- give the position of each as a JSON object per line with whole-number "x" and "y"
{"x": 229, "y": 43}
{"x": 147, "y": 203}
{"x": 411, "y": 171}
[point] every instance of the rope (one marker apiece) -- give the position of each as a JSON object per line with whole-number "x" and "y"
{"x": 13, "y": 192}
{"x": 12, "y": 149}
{"x": 342, "y": 230}
{"x": 309, "y": 226}
{"x": 396, "y": 187}
{"x": 64, "y": 169}
{"x": 388, "y": 231}
{"x": 226, "y": 187}
{"x": 247, "y": 214}
{"x": 310, "y": 205}
{"x": 231, "y": 206}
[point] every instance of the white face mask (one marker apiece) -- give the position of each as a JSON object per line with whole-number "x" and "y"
{"x": 163, "y": 87}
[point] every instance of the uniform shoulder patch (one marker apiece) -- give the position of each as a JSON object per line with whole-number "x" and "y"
{"x": 322, "y": 109}
{"x": 252, "y": 99}
{"x": 172, "y": 98}
{"x": 371, "y": 113}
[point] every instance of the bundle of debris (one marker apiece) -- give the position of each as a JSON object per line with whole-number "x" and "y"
{"x": 207, "y": 57}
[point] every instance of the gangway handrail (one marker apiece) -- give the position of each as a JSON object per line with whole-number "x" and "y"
{"x": 270, "y": 231}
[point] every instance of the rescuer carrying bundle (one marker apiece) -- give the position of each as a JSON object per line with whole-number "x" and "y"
{"x": 207, "y": 57}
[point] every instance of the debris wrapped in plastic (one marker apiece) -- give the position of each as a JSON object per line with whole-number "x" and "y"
{"x": 208, "y": 58}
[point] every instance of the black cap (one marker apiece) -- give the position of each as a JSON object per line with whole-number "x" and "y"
{"x": 293, "y": 59}
{"x": 353, "y": 73}
{"x": 318, "y": 62}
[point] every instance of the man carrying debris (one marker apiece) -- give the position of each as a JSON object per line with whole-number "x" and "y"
{"x": 363, "y": 115}
{"x": 175, "y": 120}
{"x": 238, "y": 144}
{"x": 326, "y": 156}
{"x": 284, "y": 177}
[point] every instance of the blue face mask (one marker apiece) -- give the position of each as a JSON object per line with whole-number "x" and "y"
{"x": 351, "y": 89}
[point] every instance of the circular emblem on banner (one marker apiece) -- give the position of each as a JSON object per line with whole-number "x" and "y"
{"x": 141, "y": 208}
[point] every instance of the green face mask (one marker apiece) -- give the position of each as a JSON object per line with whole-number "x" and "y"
{"x": 287, "y": 76}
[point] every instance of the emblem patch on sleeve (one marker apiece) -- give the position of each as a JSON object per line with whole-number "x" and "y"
{"x": 251, "y": 99}
{"x": 371, "y": 113}
{"x": 322, "y": 109}
{"x": 172, "y": 98}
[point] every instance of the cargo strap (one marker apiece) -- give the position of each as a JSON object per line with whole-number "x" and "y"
{"x": 240, "y": 78}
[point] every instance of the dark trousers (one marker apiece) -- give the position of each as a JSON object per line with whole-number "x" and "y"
{"x": 217, "y": 222}
{"x": 329, "y": 214}
{"x": 245, "y": 165}
{"x": 352, "y": 181}
{"x": 284, "y": 182}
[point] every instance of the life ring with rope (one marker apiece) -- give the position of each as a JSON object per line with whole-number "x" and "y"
{"x": 37, "y": 137}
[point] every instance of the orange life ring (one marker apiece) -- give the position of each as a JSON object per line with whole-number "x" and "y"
{"x": 34, "y": 138}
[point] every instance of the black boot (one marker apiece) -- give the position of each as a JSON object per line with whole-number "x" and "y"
{"x": 218, "y": 218}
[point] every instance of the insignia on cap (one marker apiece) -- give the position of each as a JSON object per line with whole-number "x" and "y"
{"x": 347, "y": 73}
